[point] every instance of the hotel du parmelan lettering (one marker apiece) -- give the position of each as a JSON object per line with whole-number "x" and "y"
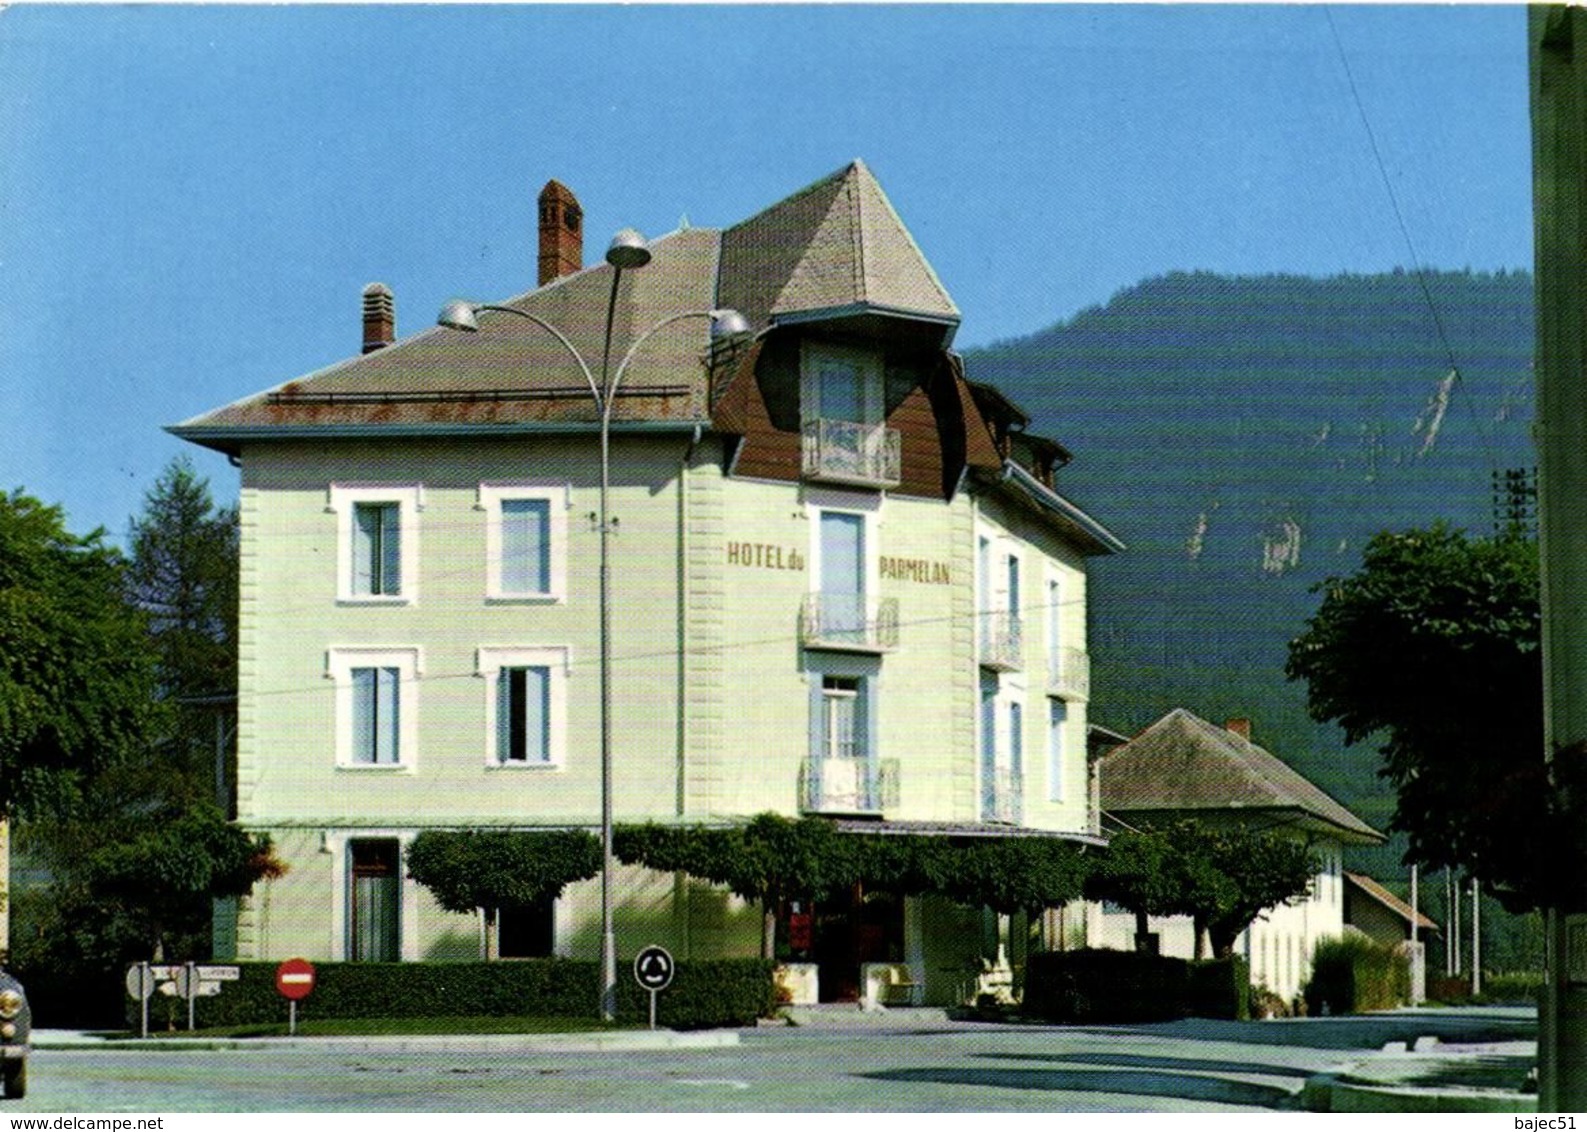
{"x": 770, "y": 556}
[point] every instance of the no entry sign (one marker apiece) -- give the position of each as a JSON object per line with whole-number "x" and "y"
{"x": 295, "y": 979}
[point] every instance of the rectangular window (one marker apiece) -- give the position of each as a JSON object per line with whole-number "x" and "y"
{"x": 523, "y": 715}
{"x": 1057, "y": 718}
{"x": 843, "y": 613}
{"x": 375, "y": 898}
{"x": 1013, "y": 594}
{"x": 525, "y": 546}
{"x": 525, "y": 704}
{"x": 1054, "y": 624}
{"x": 377, "y": 702}
{"x": 377, "y": 542}
{"x": 376, "y": 716}
{"x": 840, "y": 703}
{"x": 1016, "y": 740}
{"x": 988, "y": 745}
{"x": 377, "y": 549}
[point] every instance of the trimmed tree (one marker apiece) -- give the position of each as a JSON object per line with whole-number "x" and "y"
{"x": 1259, "y": 871}
{"x": 164, "y": 877}
{"x": 494, "y": 869}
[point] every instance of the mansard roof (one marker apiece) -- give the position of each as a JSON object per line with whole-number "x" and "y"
{"x": 834, "y": 250}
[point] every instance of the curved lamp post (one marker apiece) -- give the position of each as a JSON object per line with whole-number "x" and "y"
{"x": 628, "y": 251}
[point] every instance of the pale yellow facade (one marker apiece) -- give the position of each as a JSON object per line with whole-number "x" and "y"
{"x": 712, "y": 687}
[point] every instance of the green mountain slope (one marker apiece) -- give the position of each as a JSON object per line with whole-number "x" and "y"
{"x": 1245, "y": 437}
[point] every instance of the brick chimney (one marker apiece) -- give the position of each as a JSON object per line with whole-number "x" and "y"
{"x": 380, "y": 317}
{"x": 561, "y": 232}
{"x": 1240, "y": 727}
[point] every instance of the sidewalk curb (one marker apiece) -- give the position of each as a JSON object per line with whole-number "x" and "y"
{"x": 635, "y": 1040}
{"x": 1325, "y": 1092}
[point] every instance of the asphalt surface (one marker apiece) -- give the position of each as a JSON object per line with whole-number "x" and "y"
{"x": 836, "y": 1062}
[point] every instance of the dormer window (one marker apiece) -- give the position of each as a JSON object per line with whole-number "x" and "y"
{"x": 841, "y": 384}
{"x": 841, "y": 398}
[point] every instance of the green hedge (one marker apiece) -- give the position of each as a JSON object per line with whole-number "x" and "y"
{"x": 1220, "y": 988}
{"x": 703, "y": 994}
{"x": 1093, "y": 985}
{"x": 1354, "y": 974}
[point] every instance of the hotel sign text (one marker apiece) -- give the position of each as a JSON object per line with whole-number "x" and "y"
{"x": 765, "y": 555}
{"x": 917, "y": 570}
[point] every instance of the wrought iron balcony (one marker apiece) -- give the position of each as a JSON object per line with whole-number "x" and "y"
{"x": 846, "y": 452}
{"x": 1002, "y": 795}
{"x": 848, "y": 786}
{"x": 1069, "y": 675}
{"x": 848, "y": 623}
{"x": 1002, "y": 641}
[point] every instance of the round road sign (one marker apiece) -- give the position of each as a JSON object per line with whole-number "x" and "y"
{"x": 295, "y": 978}
{"x": 653, "y": 968}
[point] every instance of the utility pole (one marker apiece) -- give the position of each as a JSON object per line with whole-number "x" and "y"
{"x": 1557, "y": 48}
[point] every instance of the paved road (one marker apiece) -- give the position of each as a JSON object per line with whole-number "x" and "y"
{"x": 1182, "y": 1067}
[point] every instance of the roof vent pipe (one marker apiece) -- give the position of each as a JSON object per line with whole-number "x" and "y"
{"x": 380, "y": 317}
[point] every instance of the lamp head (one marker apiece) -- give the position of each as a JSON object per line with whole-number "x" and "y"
{"x": 628, "y": 250}
{"x": 459, "y": 314}
{"x": 727, "y": 323}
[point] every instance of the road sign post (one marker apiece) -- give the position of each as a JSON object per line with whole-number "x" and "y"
{"x": 653, "y": 970}
{"x": 140, "y": 985}
{"x": 294, "y": 980}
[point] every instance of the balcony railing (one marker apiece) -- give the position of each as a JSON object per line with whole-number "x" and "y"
{"x": 848, "y": 786}
{"x": 1069, "y": 676}
{"x": 1002, "y": 796}
{"x": 848, "y": 623}
{"x": 1002, "y": 641}
{"x": 846, "y": 452}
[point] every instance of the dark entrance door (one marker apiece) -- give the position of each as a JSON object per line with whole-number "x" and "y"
{"x": 853, "y": 930}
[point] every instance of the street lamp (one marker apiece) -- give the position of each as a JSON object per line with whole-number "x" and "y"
{"x": 628, "y": 251}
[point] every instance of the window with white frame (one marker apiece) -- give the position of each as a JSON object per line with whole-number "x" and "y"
{"x": 841, "y": 384}
{"x": 842, "y": 709}
{"x": 525, "y": 541}
{"x": 377, "y": 542}
{"x": 1057, "y": 720}
{"x": 376, "y": 706}
{"x": 525, "y": 705}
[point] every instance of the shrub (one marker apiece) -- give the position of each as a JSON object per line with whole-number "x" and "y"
{"x": 703, "y": 994}
{"x": 1519, "y": 987}
{"x": 1219, "y": 988}
{"x": 1095, "y": 985}
{"x": 1354, "y": 974}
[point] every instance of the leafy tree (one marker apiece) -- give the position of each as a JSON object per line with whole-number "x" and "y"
{"x": 1146, "y": 872}
{"x": 1221, "y": 878}
{"x": 1433, "y": 647}
{"x": 1250, "y": 872}
{"x": 768, "y": 860}
{"x": 75, "y": 676}
{"x": 773, "y": 858}
{"x": 1013, "y": 874}
{"x": 495, "y": 869}
{"x": 166, "y": 875}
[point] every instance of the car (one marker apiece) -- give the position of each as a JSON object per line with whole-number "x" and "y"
{"x": 16, "y": 1032}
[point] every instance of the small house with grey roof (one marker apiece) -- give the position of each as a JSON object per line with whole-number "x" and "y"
{"x": 1183, "y": 767}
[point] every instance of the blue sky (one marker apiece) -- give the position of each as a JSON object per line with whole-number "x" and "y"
{"x": 192, "y": 198}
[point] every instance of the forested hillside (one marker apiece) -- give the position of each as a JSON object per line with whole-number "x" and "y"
{"x": 1245, "y": 437}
